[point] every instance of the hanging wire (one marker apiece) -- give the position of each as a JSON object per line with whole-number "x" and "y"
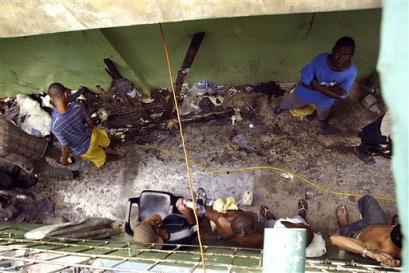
{"x": 187, "y": 163}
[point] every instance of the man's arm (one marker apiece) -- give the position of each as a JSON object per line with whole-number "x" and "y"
{"x": 358, "y": 247}
{"x": 90, "y": 123}
{"x": 65, "y": 152}
{"x": 336, "y": 92}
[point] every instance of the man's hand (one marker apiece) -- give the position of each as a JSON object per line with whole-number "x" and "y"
{"x": 384, "y": 258}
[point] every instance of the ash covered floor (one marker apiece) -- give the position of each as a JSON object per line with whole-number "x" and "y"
{"x": 283, "y": 142}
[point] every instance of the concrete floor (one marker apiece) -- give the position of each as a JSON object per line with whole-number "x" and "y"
{"x": 283, "y": 142}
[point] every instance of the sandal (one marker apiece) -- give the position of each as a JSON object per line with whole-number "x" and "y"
{"x": 302, "y": 208}
{"x": 266, "y": 213}
{"x": 368, "y": 159}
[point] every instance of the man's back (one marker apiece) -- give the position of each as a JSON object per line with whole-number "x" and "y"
{"x": 70, "y": 128}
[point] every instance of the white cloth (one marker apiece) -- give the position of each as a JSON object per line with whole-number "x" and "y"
{"x": 317, "y": 246}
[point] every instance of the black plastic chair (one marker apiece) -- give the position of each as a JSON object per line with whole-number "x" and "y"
{"x": 150, "y": 203}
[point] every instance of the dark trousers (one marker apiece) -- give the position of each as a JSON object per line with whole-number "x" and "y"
{"x": 371, "y": 135}
{"x": 371, "y": 212}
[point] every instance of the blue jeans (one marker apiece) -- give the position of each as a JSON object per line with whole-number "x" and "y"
{"x": 371, "y": 212}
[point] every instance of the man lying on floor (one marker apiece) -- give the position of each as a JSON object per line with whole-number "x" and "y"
{"x": 247, "y": 228}
{"x": 371, "y": 236}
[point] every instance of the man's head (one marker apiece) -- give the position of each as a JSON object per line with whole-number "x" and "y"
{"x": 58, "y": 93}
{"x": 144, "y": 234}
{"x": 396, "y": 236}
{"x": 342, "y": 53}
{"x": 243, "y": 224}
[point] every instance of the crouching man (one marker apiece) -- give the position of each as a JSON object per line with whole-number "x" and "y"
{"x": 74, "y": 129}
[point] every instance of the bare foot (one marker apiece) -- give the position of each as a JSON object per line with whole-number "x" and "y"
{"x": 302, "y": 208}
{"x": 342, "y": 216}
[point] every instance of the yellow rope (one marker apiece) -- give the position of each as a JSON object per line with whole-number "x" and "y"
{"x": 189, "y": 173}
{"x": 269, "y": 168}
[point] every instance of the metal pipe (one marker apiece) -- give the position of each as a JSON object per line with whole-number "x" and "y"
{"x": 284, "y": 250}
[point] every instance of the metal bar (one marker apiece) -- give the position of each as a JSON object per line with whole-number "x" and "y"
{"x": 147, "y": 249}
{"x": 61, "y": 269}
{"x": 117, "y": 264}
{"x": 33, "y": 263}
{"x": 71, "y": 265}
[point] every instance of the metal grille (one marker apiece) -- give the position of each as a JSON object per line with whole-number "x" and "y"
{"x": 54, "y": 255}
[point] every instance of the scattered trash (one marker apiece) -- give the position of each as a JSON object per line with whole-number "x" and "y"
{"x": 247, "y": 198}
{"x": 371, "y": 98}
{"x": 217, "y": 100}
{"x": 288, "y": 176}
{"x": 251, "y": 125}
{"x": 232, "y": 91}
{"x": 249, "y": 88}
{"x": 46, "y": 101}
{"x": 236, "y": 117}
{"x": 271, "y": 89}
{"x": 242, "y": 142}
{"x": 147, "y": 100}
{"x": 37, "y": 122}
{"x": 204, "y": 87}
{"x": 309, "y": 193}
{"x": 202, "y": 97}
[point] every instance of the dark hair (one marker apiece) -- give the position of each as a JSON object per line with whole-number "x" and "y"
{"x": 56, "y": 90}
{"x": 396, "y": 236}
{"x": 243, "y": 224}
{"x": 345, "y": 41}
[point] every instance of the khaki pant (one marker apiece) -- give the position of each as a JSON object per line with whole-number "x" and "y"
{"x": 291, "y": 101}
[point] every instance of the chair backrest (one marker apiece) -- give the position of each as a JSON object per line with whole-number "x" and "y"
{"x": 153, "y": 202}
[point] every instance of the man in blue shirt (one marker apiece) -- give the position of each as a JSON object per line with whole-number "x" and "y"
{"x": 74, "y": 129}
{"x": 325, "y": 79}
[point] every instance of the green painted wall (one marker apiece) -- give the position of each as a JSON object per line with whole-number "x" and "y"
{"x": 30, "y": 64}
{"x": 234, "y": 51}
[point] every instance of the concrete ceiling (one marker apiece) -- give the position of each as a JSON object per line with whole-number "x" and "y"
{"x": 23, "y": 18}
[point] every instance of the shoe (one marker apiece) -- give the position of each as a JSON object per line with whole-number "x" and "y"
{"x": 278, "y": 110}
{"x": 362, "y": 154}
{"x": 75, "y": 174}
{"x": 324, "y": 127}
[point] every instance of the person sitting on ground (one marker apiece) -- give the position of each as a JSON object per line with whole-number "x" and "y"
{"x": 375, "y": 140}
{"x": 173, "y": 229}
{"x": 24, "y": 155}
{"x": 371, "y": 236}
{"x": 74, "y": 129}
{"x": 315, "y": 244}
{"x": 327, "y": 78}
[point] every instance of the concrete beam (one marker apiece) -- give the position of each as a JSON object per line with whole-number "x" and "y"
{"x": 23, "y": 18}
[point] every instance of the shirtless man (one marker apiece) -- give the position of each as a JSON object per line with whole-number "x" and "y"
{"x": 247, "y": 228}
{"x": 239, "y": 226}
{"x": 371, "y": 236}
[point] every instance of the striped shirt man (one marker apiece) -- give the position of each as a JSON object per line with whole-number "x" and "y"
{"x": 70, "y": 128}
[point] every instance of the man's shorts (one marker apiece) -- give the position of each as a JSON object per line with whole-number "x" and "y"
{"x": 96, "y": 153}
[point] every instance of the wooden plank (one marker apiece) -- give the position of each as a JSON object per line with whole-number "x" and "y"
{"x": 183, "y": 71}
